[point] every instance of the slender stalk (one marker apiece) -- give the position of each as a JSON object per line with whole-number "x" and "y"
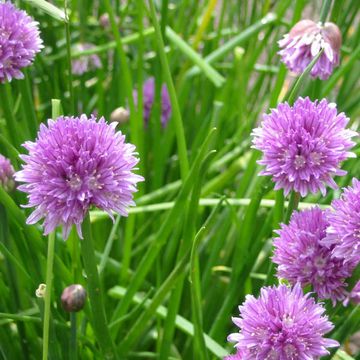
{"x": 100, "y": 326}
{"x": 49, "y": 277}
{"x": 73, "y": 338}
{"x": 68, "y": 51}
{"x": 325, "y": 10}
{"x": 293, "y": 205}
{"x": 180, "y": 135}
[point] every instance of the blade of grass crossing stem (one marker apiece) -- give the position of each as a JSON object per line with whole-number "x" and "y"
{"x": 136, "y": 124}
{"x": 180, "y": 135}
{"x": 223, "y": 50}
{"x": 181, "y": 323}
{"x": 187, "y": 236}
{"x": 134, "y": 333}
{"x": 159, "y": 239}
{"x": 99, "y": 322}
{"x": 172, "y": 280}
{"x": 240, "y": 256}
{"x": 49, "y": 265}
{"x": 205, "y": 67}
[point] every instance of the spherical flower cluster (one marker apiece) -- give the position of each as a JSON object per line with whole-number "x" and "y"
{"x": 304, "y": 42}
{"x": 148, "y": 100}
{"x": 343, "y": 234}
{"x": 19, "y": 41}
{"x": 302, "y": 258}
{"x": 303, "y": 145}
{"x": 85, "y": 63}
{"x": 282, "y": 324}
{"x": 6, "y": 174}
{"x": 74, "y": 164}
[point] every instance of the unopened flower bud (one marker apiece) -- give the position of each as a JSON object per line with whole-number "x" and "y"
{"x": 73, "y": 298}
{"x": 120, "y": 115}
{"x": 304, "y": 42}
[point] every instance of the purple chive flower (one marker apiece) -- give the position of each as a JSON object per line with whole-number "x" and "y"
{"x": 85, "y": 63}
{"x": 355, "y": 294}
{"x": 304, "y": 42}
{"x": 148, "y": 100}
{"x": 75, "y": 163}
{"x": 303, "y": 145}
{"x": 19, "y": 41}
{"x": 343, "y": 234}
{"x": 302, "y": 258}
{"x": 6, "y": 174}
{"x": 284, "y": 324}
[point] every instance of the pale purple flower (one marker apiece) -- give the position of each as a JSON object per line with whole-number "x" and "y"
{"x": 355, "y": 294}
{"x": 76, "y": 163}
{"x": 6, "y": 174}
{"x": 302, "y": 258}
{"x": 304, "y": 42}
{"x": 85, "y": 63}
{"x": 283, "y": 324}
{"x": 343, "y": 234}
{"x": 19, "y": 41}
{"x": 303, "y": 145}
{"x": 149, "y": 98}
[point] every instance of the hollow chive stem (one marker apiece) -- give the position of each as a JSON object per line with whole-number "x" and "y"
{"x": 100, "y": 326}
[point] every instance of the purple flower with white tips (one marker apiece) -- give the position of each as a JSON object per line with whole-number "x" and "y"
{"x": 303, "y": 145}
{"x": 76, "y": 163}
{"x": 149, "y": 98}
{"x": 305, "y": 41}
{"x": 343, "y": 234}
{"x": 282, "y": 323}
{"x": 19, "y": 41}
{"x": 302, "y": 258}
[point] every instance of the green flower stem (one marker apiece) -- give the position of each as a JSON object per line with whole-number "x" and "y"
{"x": 100, "y": 326}
{"x": 293, "y": 205}
{"x": 49, "y": 276}
{"x": 325, "y": 9}
{"x": 73, "y": 338}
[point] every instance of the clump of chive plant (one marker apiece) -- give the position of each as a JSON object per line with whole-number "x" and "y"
{"x": 304, "y": 42}
{"x": 282, "y": 323}
{"x": 303, "y": 145}
{"x": 301, "y": 256}
{"x": 76, "y": 163}
{"x": 19, "y": 41}
{"x": 149, "y": 98}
